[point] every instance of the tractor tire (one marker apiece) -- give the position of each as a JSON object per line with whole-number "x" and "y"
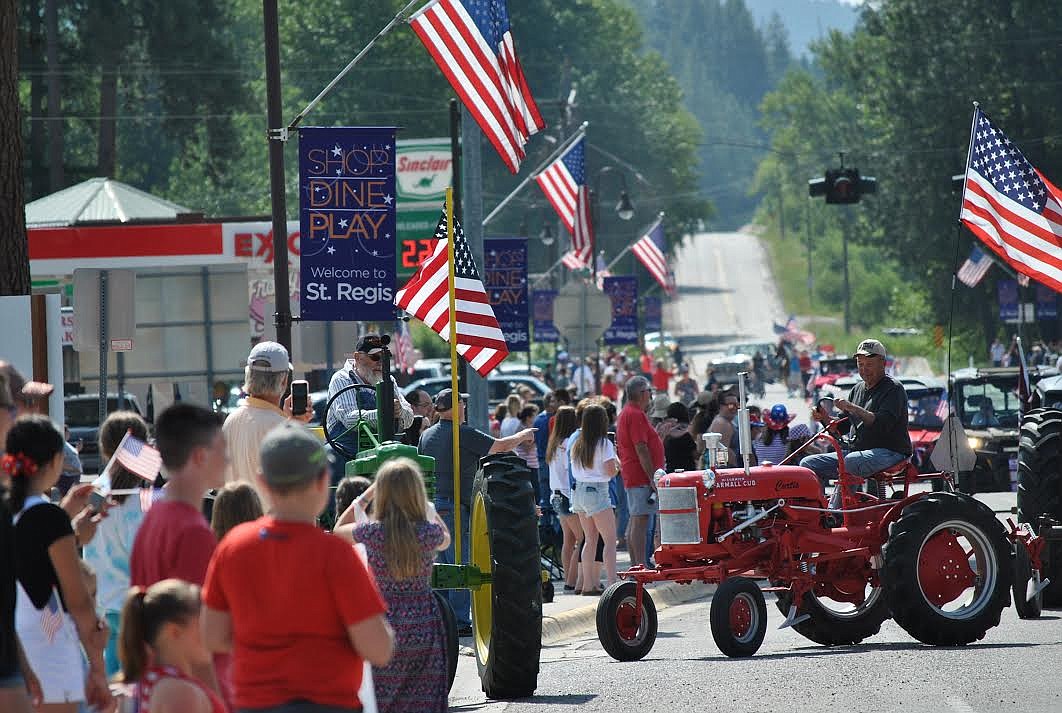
{"x": 450, "y": 638}
{"x": 507, "y": 612}
{"x": 926, "y": 567}
{"x": 738, "y": 617}
{"x": 620, "y": 636}
{"x": 1052, "y": 561}
{"x": 1026, "y": 608}
{"x": 833, "y": 628}
{"x": 1040, "y": 483}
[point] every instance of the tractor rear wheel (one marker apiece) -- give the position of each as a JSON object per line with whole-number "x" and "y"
{"x": 838, "y": 623}
{"x": 738, "y": 617}
{"x": 1026, "y": 608}
{"x": 947, "y": 571}
{"x": 624, "y": 633}
{"x": 507, "y": 612}
{"x": 1040, "y": 480}
{"x": 450, "y": 638}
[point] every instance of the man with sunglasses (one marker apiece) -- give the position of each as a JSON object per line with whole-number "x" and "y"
{"x": 366, "y": 367}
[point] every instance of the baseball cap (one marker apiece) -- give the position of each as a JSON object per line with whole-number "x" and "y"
{"x": 444, "y": 399}
{"x": 290, "y": 454}
{"x": 372, "y": 343}
{"x": 659, "y": 408}
{"x": 269, "y": 356}
{"x": 704, "y": 398}
{"x": 21, "y": 389}
{"x": 871, "y": 347}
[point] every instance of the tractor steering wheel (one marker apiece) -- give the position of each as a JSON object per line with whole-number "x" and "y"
{"x": 328, "y": 407}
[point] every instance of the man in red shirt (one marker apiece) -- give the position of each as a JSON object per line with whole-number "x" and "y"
{"x": 641, "y": 452}
{"x": 662, "y": 377}
{"x": 175, "y": 540}
{"x": 295, "y": 605}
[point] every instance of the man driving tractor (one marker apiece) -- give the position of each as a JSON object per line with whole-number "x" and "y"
{"x": 876, "y": 425}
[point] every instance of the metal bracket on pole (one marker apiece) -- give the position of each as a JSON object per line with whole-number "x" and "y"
{"x": 282, "y": 134}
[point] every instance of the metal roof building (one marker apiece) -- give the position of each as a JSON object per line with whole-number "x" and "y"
{"x": 102, "y": 200}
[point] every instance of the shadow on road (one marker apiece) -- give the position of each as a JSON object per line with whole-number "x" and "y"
{"x": 865, "y": 649}
{"x": 568, "y": 699}
{"x": 702, "y": 290}
{"x": 697, "y": 340}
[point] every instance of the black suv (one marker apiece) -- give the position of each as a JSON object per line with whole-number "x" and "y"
{"x": 83, "y": 420}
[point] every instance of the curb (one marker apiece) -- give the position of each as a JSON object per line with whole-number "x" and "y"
{"x": 568, "y": 624}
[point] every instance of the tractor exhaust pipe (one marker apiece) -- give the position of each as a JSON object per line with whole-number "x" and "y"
{"x": 744, "y": 430}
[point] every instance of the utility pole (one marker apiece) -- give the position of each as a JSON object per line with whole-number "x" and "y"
{"x": 472, "y": 195}
{"x": 846, "y": 226}
{"x": 278, "y": 136}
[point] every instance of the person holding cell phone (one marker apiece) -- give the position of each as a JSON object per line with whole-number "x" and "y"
{"x": 266, "y": 379}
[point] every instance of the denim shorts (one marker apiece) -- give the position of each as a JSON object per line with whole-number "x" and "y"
{"x": 590, "y": 498}
{"x": 562, "y": 505}
{"x": 638, "y": 501}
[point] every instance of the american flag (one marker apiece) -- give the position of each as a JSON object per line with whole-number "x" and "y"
{"x": 1011, "y": 206}
{"x": 652, "y": 251}
{"x": 479, "y": 337}
{"x": 52, "y": 617}
{"x": 564, "y": 183}
{"x": 138, "y": 457}
{"x": 943, "y": 408}
{"x": 602, "y": 270}
{"x": 575, "y": 261}
{"x": 404, "y": 356}
{"x": 975, "y": 267}
{"x": 471, "y": 43}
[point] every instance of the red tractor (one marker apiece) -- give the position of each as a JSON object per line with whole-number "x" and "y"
{"x": 939, "y": 563}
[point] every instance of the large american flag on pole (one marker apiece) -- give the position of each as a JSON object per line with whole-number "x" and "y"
{"x": 1011, "y": 206}
{"x": 975, "y": 267}
{"x": 479, "y": 337}
{"x": 471, "y": 42}
{"x": 651, "y": 250}
{"x": 564, "y": 183}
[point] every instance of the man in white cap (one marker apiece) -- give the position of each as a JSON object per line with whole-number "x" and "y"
{"x": 266, "y": 378}
{"x": 877, "y": 421}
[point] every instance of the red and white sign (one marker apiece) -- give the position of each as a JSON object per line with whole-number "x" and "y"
{"x": 121, "y": 345}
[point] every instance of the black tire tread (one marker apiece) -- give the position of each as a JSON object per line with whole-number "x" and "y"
{"x": 1040, "y": 482}
{"x": 719, "y": 616}
{"x": 512, "y": 663}
{"x": 899, "y": 573}
{"x": 829, "y": 630}
{"x": 606, "y": 619}
{"x": 450, "y": 638}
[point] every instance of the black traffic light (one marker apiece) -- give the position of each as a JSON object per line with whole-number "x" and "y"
{"x": 842, "y": 186}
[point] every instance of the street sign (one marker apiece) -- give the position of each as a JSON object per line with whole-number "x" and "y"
{"x": 582, "y": 313}
{"x": 118, "y": 304}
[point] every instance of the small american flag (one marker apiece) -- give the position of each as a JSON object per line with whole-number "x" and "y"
{"x": 564, "y": 183}
{"x": 52, "y": 617}
{"x": 651, "y": 250}
{"x": 975, "y": 267}
{"x": 1011, "y": 206}
{"x": 426, "y": 296}
{"x": 471, "y": 42}
{"x": 138, "y": 457}
{"x": 574, "y": 261}
{"x": 404, "y": 356}
{"x": 943, "y": 408}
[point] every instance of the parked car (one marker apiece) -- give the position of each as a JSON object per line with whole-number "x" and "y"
{"x": 83, "y": 420}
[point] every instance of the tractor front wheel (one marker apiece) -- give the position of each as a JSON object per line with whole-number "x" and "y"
{"x": 626, "y": 633}
{"x": 506, "y": 612}
{"x": 947, "y": 570}
{"x": 738, "y": 617}
{"x": 1026, "y": 608}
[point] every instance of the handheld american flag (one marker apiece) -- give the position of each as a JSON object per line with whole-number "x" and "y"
{"x": 471, "y": 42}
{"x": 426, "y": 296}
{"x": 564, "y": 183}
{"x": 137, "y": 457}
{"x": 975, "y": 267}
{"x": 651, "y": 250}
{"x": 1011, "y": 206}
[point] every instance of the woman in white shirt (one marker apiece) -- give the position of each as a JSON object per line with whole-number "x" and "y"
{"x": 594, "y": 464}
{"x": 564, "y": 424}
{"x": 511, "y": 423}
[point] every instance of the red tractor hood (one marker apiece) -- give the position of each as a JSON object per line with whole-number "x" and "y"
{"x": 766, "y": 482}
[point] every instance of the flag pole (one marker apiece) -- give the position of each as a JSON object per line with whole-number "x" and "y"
{"x": 455, "y": 408}
{"x": 399, "y": 18}
{"x": 560, "y": 149}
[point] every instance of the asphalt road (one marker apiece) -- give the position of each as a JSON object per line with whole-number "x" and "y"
{"x": 726, "y": 294}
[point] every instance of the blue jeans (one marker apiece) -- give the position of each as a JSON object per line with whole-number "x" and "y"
{"x": 861, "y": 463}
{"x": 543, "y": 494}
{"x": 460, "y": 599}
{"x": 649, "y": 532}
{"x": 622, "y": 514}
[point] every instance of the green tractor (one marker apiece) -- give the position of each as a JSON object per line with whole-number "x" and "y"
{"x": 504, "y": 574}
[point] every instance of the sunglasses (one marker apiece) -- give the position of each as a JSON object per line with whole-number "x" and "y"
{"x": 375, "y": 357}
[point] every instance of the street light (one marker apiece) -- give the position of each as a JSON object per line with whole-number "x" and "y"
{"x": 546, "y": 234}
{"x": 625, "y": 209}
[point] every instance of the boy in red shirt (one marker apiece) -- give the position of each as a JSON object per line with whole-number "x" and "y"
{"x": 295, "y": 605}
{"x": 175, "y": 540}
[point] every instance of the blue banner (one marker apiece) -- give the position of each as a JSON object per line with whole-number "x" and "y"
{"x": 1046, "y": 302}
{"x": 505, "y": 279}
{"x": 545, "y": 332}
{"x": 1008, "y": 299}
{"x": 347, "y": 222}
{"x": 623, "y": 291}
{"x": 653, "y": 315}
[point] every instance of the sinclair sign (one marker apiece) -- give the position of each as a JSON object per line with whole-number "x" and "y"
{"x": 425, "y": 168}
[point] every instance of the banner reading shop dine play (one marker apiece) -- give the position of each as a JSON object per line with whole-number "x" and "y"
{"x": 623, "y": 291}
{"x": 347, "y": 223}
{"x": 505, "y": 277}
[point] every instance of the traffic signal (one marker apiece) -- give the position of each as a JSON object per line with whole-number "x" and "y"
{"x": 842, "y": 186}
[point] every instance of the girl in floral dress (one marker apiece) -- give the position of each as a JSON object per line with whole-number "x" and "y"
{"x": 401, "y": 540}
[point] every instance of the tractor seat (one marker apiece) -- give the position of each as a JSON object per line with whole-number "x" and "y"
{"x": 897, "y": 470}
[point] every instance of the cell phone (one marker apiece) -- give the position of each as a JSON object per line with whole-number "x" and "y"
{"x": 96, "y": 501}
{"x": 300, "y": 396}
{"x": 652, "y": 498}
